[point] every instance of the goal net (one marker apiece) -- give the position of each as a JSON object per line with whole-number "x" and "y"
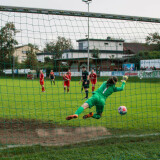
{"x": 113, "y": 45}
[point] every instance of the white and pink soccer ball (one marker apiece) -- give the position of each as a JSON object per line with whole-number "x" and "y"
{"x": 122, "y": 110}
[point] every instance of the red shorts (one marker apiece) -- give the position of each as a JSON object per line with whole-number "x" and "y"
{"x": 66, "y": 83}
{"x": 41, "y": 82}
{"x": 93, "y": 81}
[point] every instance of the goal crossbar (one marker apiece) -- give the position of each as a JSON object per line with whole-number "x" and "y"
{"x": 77, "y": 13}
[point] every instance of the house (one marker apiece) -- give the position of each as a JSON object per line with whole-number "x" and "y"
{"x": 106, "y": 48}
{"x": 104, "y": 54}
{"x": 135, "y": 48}
{"x": 41, "y": 56}
{"x": 21, "y": 52}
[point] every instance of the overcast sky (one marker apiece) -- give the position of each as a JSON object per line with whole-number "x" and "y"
{"x": 39, "y": 29}
{"x": 147, "y": 8}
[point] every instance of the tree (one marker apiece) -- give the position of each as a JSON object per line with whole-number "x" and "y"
{"x": 11, "y": 62}
{"x": 50, "y": 47}
{"x": 33, "y": 46}
{"x": 31, "y": 61}
{"x": 95, "y": 53}
{"x": 144, "y": 55}
{"x": 7, "y": 45}
{"x": 58, "y": 47}
{"x": 47, "y": 59}
{"x": 153, "y": 40}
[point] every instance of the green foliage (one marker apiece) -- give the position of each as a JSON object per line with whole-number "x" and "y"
{"x": 33, "y": 47}
{"x": 154, "y": 41}
{"x": 144, "y": 55}
{"x": 50, "y": 47}
{"x": 47, "y": 59}
{"x": 11, "y": 62}
{"x": 7, "y": 45}
{"x": 64, "y": 67}
{"x": 149, "y": 55}
{"x": 95, "y": 53}
{"x": 58, "y": 47}
{"x": 49, "y": 66}
{"x": 31, "y": 61}
{"x": 21, "y": 65}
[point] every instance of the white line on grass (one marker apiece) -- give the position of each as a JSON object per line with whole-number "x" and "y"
{"x": 92, "y": 139}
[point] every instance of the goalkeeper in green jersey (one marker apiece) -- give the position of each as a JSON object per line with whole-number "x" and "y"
{"x": 99, "y": 97}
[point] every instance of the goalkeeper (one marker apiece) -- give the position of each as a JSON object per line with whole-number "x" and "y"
{"x": 99, "y": 97}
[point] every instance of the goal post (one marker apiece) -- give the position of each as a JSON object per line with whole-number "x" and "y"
{"x": 35, "y": 39}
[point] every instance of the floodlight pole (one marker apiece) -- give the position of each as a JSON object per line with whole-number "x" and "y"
{"x": 88, "y": 40}
{"x": 88, "y": 2}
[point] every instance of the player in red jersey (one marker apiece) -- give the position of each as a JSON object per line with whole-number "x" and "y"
{"x": 52, "y": 77}
{"x": 93, "y": 79}
{"x": 42, "y": 80}
{"x": 66, "y": 82}
{"x": 69, "y": 75}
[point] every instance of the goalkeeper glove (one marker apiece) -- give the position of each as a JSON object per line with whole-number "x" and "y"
{"x": 125, "y": 78}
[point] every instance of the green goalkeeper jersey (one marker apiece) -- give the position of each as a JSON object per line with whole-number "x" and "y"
{"x": 107, "y": 91}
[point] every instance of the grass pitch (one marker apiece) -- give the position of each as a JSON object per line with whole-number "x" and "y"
{"x": 23, "y": 99}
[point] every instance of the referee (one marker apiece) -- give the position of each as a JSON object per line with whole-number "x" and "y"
{"x": 85, "y": 80}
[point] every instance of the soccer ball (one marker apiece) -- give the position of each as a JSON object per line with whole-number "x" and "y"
{"x": 122, "y": 110}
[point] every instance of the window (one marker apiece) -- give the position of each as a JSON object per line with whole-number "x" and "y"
{"x": 24, "y": 52}
{"x": 106, "y": 43}
{"x": 120, "y": 44}
{"x": 80, "y": 46}
{"x": 66, "y": 55}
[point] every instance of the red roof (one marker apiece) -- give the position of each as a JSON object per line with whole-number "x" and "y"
{"x": 135, "y": 48}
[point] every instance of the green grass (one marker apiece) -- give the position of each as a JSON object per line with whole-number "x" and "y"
{"x": 109, "y": 149}
{"x": 23, "y": 99}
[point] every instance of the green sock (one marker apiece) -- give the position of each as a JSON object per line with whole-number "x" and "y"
{"x": 79, "y": 110}
{"x": 96, "y": 116}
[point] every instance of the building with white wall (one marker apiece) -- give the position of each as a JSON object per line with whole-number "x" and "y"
{"x": 112, "y": 53}
{"x": 21, "y": 52}
{"x": 107, "y": 48}
{"x": 101, "y": 44}
{"x": 41, "y": 56}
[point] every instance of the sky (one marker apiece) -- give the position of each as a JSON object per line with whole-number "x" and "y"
{"x": 143, "y": 8}
{"x": 40, "y": 29}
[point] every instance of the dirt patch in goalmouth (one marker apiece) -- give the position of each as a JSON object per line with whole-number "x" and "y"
{"x": 35, "y": 132}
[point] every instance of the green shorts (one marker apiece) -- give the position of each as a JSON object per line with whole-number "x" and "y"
{"x": 98, "y": 101}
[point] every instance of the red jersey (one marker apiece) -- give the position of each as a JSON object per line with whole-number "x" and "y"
{"x": 65, "y": 78}
{"x": 93, "y": 76}
{"x": 69, "y": 75}
{"x": 41, "y": 76}
{"x": 52, "y": 73}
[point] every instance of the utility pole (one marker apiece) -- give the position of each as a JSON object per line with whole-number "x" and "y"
{"x": 88, "y": 2}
